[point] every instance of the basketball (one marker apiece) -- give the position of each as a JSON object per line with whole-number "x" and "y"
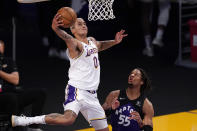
{"x": 68, "y": 16}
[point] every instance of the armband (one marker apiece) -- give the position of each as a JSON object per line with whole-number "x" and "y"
{"x": 147, "y": 128}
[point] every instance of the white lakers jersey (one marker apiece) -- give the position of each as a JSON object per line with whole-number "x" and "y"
{"x": 84, "y": 71}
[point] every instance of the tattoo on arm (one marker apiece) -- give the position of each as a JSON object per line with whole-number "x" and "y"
{"x": 54, "y": 115}
{"x": 63, "y": 34}
{"x": 67, "y": 36}
{"x": 106, "y": 44}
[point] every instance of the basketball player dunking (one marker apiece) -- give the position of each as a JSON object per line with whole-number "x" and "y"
{"x": 84, "y": 77}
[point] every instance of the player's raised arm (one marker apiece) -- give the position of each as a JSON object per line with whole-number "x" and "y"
{"x": 103, "y": 45}
{"x": 73, "y": 45}
{"x": 56, "y": 24}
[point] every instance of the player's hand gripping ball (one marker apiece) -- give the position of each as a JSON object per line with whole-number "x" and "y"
{"x": 68, "y": 15}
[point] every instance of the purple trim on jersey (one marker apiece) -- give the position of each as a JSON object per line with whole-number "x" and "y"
{"x": 71, "y": 95}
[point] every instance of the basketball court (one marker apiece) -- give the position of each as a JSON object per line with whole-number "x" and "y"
{"x": 182, "y": 121}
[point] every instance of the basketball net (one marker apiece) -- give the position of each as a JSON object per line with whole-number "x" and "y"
{"x": 100, "y": 10}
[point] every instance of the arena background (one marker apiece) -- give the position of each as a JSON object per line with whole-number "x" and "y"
{"x": 174, "y": 87}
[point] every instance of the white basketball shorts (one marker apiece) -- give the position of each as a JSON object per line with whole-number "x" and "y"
{"x": 88, "y": 104}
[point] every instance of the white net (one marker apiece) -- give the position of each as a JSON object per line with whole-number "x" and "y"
{"x": 100, "y": 10}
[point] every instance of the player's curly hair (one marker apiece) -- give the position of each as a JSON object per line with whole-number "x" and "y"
{"x": 146, "y": 87}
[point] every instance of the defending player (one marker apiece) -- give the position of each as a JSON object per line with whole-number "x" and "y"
{"x": 129, "y": 108}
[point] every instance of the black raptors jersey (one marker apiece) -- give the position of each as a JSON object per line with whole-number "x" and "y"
{"x": 120, "y": 117}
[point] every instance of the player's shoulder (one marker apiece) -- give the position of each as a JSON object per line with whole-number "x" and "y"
{"x": 148, "y": 107}
{"x": 91, "y": 38}
{"x": 94, "y": 41}
{"x": 148, "y": 103}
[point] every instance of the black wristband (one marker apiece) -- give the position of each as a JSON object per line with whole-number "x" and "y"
{"x": 147, "y": 128}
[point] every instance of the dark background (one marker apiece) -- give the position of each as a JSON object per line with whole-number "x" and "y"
{"x": 174, "y": 87}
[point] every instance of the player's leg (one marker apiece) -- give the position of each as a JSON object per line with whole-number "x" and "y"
{"x": 99, "y": 125}
{"x": 71, "y": 110}
{"x": 164, "y": 8}
{"x": 68, "y": 118}
{"x": 96, "y": 117}
{"x": 94, "y": 113}
{"x": 36, "y": 98}
{"x": 146, "y": 8}
{"x": 52, "y": 119}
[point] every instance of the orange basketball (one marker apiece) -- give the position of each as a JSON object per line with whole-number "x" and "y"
{"x": 68, "y": 16}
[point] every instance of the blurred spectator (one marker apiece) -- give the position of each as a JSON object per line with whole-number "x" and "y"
{"x": 145, "y": 12}
{"x": 146, "y": 8}
{"x": 13, "y": 99}
{"x": 163, "y": 17}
